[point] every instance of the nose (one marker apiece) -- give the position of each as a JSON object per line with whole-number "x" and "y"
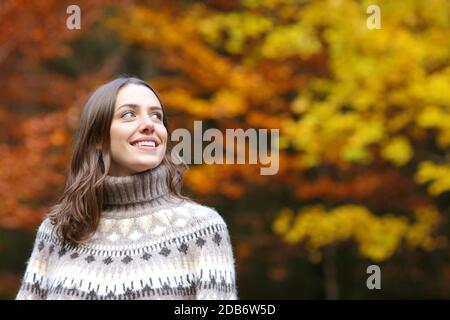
{"x": 147, "y": 125}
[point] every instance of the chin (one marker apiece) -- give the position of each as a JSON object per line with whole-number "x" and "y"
{"x": 152, "y": 165}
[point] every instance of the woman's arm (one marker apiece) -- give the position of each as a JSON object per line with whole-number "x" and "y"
{"x": 34, "y": 282}
{"x": 216, "y": 275}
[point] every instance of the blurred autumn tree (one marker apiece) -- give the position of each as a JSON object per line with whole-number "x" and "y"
{"x": 364, "y": 119}
{"x": 37, "y": 104}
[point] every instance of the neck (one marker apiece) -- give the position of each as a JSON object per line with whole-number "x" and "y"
{"x": 138, "y": 194}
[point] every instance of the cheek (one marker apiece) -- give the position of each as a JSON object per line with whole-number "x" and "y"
{"x": 162, "y": 132}
{"x": 118, "y": 136}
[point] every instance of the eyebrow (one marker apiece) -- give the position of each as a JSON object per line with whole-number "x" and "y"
{"x": 135, "y": 106}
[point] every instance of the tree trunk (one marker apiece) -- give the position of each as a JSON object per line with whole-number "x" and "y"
{"x": 330, "y": 273}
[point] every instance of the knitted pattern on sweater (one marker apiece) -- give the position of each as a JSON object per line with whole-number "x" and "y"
{"x": 148, "y": 245}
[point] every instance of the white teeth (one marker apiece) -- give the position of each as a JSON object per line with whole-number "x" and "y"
{"x": 145, "y": 143}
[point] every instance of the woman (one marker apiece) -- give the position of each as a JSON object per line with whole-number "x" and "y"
{"x": 122, "y": 229}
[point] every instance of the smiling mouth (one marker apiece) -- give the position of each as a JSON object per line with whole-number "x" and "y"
{"x": 150, "y": 146}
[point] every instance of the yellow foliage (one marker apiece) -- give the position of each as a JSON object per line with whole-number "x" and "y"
{"x": 438, "y": 118}
{"x": 227, "y": 104}
{"x": 373, "y": 71}
{"x": 291, "y": 40}
{"x": 377, "y": 237}
{"x": 281, "y": 224}
{"x": 437, "y": 175}
{"x": 398, "y": 151}
{"x": 239, "y": 27}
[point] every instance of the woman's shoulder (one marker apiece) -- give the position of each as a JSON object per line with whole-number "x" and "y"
{"x": 46, "y": 229}
{"x": 202, "y": 214}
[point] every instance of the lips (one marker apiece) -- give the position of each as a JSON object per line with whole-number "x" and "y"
{"x": 145, "y": 147}
{"x": 145, "y": 144}
{"x": 148, "y": 144}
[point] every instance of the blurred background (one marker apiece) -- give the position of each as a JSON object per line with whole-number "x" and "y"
{"x": 364, "y": 119}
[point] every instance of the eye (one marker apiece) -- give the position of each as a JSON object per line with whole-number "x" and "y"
{"x": 158, "y": 115}
{"x": 125, "y": 113}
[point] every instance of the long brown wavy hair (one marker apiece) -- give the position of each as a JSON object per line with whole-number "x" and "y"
{"x": 77, "y": 214}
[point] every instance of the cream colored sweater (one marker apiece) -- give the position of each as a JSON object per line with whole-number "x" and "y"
{"x": 149, "y": 245}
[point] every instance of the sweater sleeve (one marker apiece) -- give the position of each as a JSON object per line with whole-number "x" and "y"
{"x": 34, "y": 282}
{"x": 216, "y": 276}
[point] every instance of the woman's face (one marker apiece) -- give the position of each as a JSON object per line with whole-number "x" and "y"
{"x": 137, "y": 115}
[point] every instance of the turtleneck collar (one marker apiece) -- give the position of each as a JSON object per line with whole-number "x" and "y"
{"x": 138, "y": 194}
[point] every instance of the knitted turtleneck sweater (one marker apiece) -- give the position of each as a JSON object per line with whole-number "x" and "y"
{"x": 148, "y": 245}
